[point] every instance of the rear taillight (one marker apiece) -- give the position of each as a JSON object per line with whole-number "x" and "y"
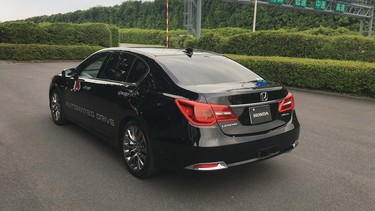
{"x": 287, "y": 103}
{"x": 202, "y": 114}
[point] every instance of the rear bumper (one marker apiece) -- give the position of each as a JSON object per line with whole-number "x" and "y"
{"x": 241, "y": 150}
{"x": 266, "y": 155}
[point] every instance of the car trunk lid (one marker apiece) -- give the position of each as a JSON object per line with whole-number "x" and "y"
{"x": 255, "y": 103}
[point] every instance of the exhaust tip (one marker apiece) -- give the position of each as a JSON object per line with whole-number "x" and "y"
{"x": 208, "y": 166}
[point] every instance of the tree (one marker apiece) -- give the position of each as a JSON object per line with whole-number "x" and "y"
{"x": 216, "y": 13}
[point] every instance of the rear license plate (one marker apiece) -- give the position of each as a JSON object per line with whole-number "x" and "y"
{"x": 260, "y": 114}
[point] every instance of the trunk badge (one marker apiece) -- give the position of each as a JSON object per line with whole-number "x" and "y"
{"x": 263, "y": 96}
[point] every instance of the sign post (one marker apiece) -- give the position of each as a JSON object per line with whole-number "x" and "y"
{"x": 255, "y": 14}
{"x": 361, "y": 9}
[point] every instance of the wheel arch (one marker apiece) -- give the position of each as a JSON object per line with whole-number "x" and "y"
{"x": 52, "y": 88}
{"x": 125, "y": 119}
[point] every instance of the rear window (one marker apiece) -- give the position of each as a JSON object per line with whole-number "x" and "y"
{"x": 201, "y": 69}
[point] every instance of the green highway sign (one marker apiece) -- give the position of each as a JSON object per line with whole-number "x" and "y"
{"x": 276, "y": 1}
{"x": 320, "y": 4}
{"x": 340, "y": 7}
{"x": 300, "y": 3}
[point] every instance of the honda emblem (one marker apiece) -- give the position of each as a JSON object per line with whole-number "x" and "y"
{"x": 263, "y": 96}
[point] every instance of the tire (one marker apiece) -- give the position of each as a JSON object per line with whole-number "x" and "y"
{"x": 55, "y": 106}
{"x": 137, "y": 151}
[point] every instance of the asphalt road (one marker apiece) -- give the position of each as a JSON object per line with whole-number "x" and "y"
{"x": 47, "y": 167}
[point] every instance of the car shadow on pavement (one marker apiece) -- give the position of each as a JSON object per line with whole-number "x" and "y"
{"x": 253, "y": 174}
{"x": 258, "y": 174}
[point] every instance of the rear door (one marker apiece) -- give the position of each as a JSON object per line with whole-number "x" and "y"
{"x": 114, "y": 91}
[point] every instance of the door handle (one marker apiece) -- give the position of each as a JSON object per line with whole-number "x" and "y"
{"x": 87, "y": 88}
{"x": 124, "y": 94}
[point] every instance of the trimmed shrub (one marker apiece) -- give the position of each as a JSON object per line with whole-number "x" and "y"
{"x": 212, "y": 42}
{"x": 226, "y": 32}
{"x": 57, "y": 34}
{"x": 115, "y": 32}
{"x": 265, "y": 43}
{"x": 61, "y": 34}
{"x": 182, "y": 41}
{"x": 21, "y": 33}
{"x": 154, "y": 37}
{"x": 190, "y": 42}
{"x": 348, "y": 47}
{"x": 329, "y": 31}
{"x": 142, "y": 36}
{"x": 177, "y": 37}
{"x": 45, "y": 52}
{"x": 332, "y": 75}
{"x": 96, "y": 34}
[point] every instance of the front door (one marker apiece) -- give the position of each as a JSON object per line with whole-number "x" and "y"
{"x": 78, "y": 89}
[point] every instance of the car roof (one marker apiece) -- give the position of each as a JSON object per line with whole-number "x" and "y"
{"x": 156, "y": 52}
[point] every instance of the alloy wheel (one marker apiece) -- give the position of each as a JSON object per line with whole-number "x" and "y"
{"x": 55, "y": 107}
{"x": 135, "y": 148}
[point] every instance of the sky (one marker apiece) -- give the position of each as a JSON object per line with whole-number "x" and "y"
{"x": 21, "y": 9}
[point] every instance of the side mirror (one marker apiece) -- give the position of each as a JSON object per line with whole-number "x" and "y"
{"x": 63, "y": 74}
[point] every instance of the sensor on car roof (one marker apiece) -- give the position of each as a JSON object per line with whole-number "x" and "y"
{"x": 188, "y": 52}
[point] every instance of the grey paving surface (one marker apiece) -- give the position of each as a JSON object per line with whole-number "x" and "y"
{"x": 46, "y": 167}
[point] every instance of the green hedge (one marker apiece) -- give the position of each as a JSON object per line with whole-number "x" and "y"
{"x": 115, "y": 32}
{"x": 348, "y": 47}
{"x": 177, "y": 37}
{"x": 96, "y": 34}
{"x": 332, "y": 75}
{"x": 266, "y": 43}
{"x": 226, "y": 32}
{"x": 329, "y": 31}
{"x": 24, "y": 52}
{"x": 21, "y": 32}
{"x": 142, "y": 36}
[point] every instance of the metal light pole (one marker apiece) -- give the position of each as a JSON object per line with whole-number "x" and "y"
{"x": 255, "y": 14}
{"x": 371, "y": 22}
{"x": 193, "y": 12}
{"x": 199, "y": 19}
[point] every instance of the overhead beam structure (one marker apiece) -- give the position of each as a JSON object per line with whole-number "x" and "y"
{"x": 361, "y": 9}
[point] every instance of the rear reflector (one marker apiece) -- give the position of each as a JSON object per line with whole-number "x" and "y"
{"x": 208, "y": 166}
{"x": 203, "y": 114}
{"x": 287, "y": 104}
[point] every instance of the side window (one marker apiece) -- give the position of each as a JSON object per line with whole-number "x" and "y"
{"x": 90, "y": 68}
{"x": 118, "y": 66}
{"x": 138, "y": 71}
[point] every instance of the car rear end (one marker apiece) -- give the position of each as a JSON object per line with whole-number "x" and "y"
{"x": 238, "y": 117}
{"x": 245, "y": 129}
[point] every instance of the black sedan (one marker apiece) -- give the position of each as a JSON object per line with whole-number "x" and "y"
{"x": 173, "y": 108}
